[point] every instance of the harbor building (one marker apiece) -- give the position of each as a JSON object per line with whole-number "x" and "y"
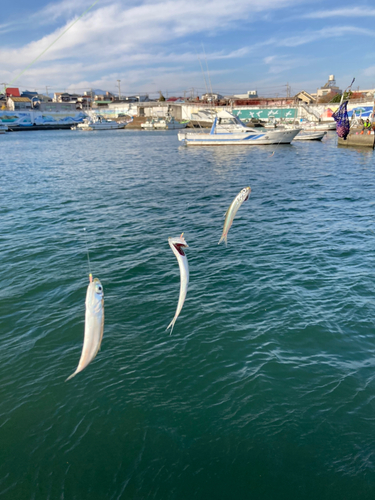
{"x": 250, "y": 94}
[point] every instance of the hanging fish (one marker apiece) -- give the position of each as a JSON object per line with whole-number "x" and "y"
{"x": 242, "y": 196}
{"x": 94, "y": 324}
{"x": 177, "y": 245}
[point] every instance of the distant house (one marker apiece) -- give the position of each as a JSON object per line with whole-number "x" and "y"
{"x": 18, "y": 103}
{"x": 176, "y": 99}
{"x": 211, "y": 97}
{"x": 305, "y": 97}
{"x": 84, "y": 102}
{"x": 15, "y": 92}
{"x": 29, "y": 94}
{"x": 135, "y": 98}
{"x": 67, "y": 107}
{"x": 108, "y": 96}
{"x": 328, "y": 88}
{"x": 250, "y": 94}
{"x": 44, "y": 98}
{"x": 102, "y": 103}
{"x": 61, "y": 97}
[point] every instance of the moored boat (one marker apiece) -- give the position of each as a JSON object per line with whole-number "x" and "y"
{"x": 149, "y": 124}
{"x": 227, "y": 129}
{"x": 305, "y": 135}
{"x": 167, "y": 123}
{"x": 3, "y": 128}
{"x": 98, "y": 122}
{"x": 318, "y": 125}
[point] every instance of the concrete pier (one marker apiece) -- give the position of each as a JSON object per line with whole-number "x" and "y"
{"x": 356, "y": 139}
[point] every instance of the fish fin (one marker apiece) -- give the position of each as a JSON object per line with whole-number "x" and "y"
{"x": 225, "y": 214}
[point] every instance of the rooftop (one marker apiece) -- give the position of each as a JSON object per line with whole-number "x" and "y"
{"x": 12, "y": 91}
{"x": 20, "y": 99}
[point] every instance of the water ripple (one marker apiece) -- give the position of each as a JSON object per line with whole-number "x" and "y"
{"x": 267, "y": 383}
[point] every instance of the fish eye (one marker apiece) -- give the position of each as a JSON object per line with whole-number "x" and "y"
{"x": 98, "y": 288}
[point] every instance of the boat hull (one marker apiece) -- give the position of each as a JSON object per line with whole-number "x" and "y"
{"x": 99, "y": 126}
{"x": 319, "y": 126}
{"x": 310, "y": 136}
{"x": 164, "y": 125}
{"x": 171, "y": 126}
{"x": 240, "y": 139}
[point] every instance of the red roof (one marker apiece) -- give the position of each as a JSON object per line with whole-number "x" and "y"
{"x": 13, "y": 91}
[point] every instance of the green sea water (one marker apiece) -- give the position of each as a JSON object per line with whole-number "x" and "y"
{"x": 265, "y": 389}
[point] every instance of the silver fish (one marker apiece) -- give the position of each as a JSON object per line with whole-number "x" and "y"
{"x": 94, "y": 324}
{"x": 177, "y": 245}
{"x": 242, "y": 196}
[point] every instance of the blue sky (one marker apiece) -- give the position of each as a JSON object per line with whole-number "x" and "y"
{"x": 158, "y": 45}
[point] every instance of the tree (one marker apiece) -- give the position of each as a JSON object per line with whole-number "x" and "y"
{"x": 324, "y": 99}
{"x": 337, "y": 98}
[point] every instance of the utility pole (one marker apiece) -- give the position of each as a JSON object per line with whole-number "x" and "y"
{"x": 287, "y": 90}
{"x": 119, "y": 89}
{"x": 5, "y": 94}
{"x": 47, "y": 90}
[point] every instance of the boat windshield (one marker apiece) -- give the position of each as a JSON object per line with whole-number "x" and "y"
{"x": 228, "y": 121}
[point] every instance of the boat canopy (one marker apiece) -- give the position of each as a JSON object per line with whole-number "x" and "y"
{"x": 224, "y": 117}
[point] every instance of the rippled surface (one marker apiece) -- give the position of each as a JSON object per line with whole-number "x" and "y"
{"x": 266, "y": 388}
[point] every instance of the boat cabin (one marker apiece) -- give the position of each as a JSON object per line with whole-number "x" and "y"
{"x": 225, "y": 123}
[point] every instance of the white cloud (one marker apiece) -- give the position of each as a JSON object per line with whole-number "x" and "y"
{"x": 150, "y": 43}
{"x": 120, "y": 33}
{"x": 331, "y": 32}
{"x": 57, "y": 10}
{"x": 269, "y": 59}
{"x": 282, "y": 63}
{"x": 351, "y": 12}
{"x": 370, "y": 71}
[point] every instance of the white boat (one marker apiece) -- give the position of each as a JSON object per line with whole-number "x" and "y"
{"x": 149, "y": 124}
{"x": 203, "y": 117}
{"x": 304, "y": 135}
{"x": 167, "y": 123}
{"x": 306, "y": 125}
{"x": 98, "y": 122}
{"x": 272, "y": 123}
{"x": 228, "y": 129}
{"x": 3, "y": 128}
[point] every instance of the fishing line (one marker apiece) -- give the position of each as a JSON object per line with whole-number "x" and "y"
{"x": 204, "y": 76}
{"x": 277, "y": 145}
{"x": 208, "y": 73}
{"x": 49, "y": 46}
{"x": 87, "y": 249}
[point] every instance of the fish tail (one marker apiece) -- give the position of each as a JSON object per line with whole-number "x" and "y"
{"x": 171, "y": 325}
{"x": 71, "y": 376}
{"x": 223, "y": 238}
